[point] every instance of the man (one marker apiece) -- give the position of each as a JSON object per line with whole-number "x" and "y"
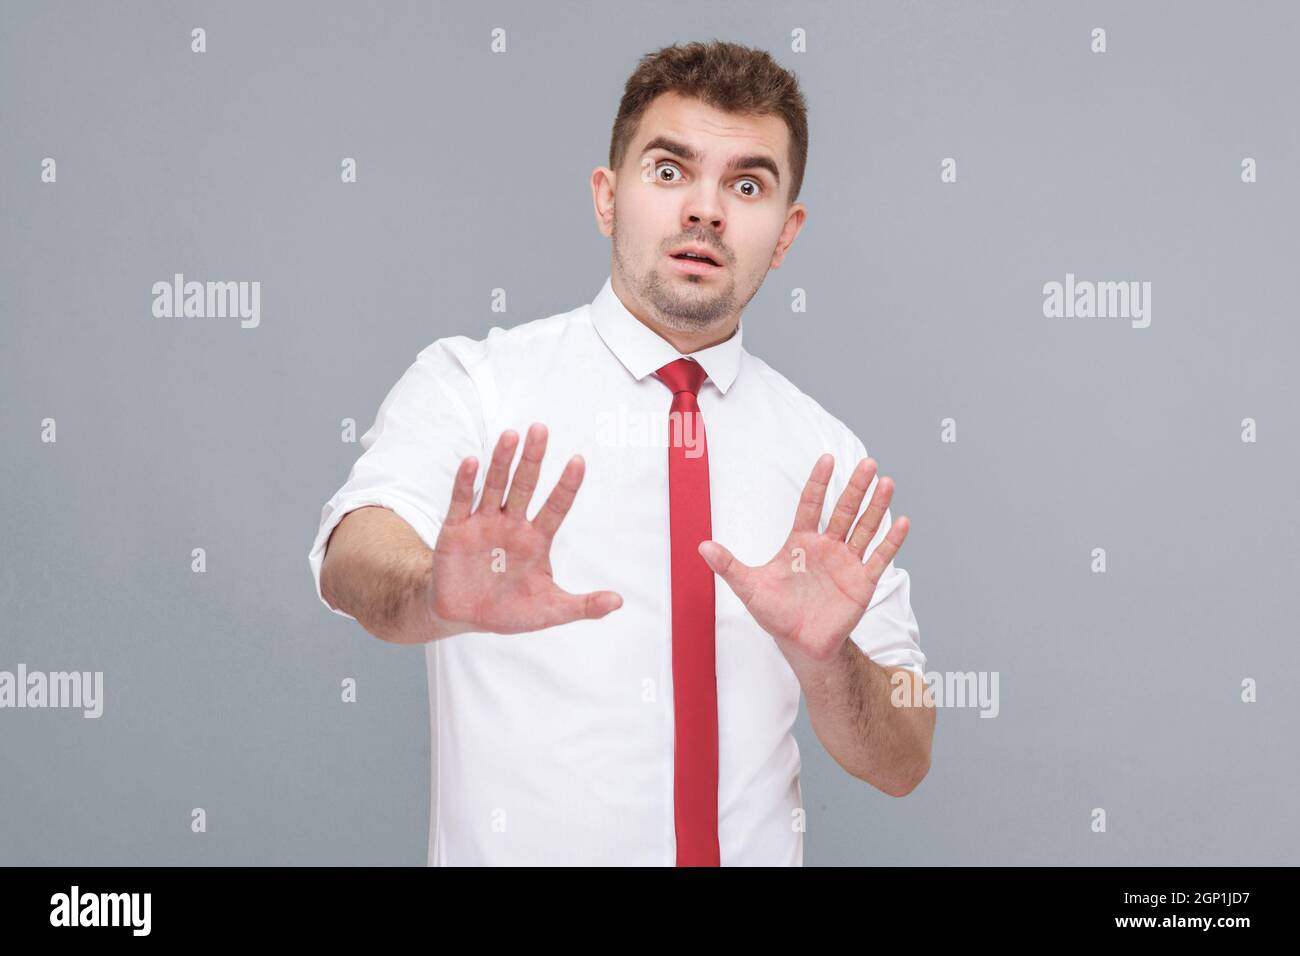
{"x": 594, "y": 698}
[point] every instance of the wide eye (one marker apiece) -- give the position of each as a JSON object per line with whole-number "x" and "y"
{"x": 664, "y": 164}
{"x": 758, "y": 187}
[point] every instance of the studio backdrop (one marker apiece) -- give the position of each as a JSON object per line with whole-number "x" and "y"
{"x": 1047, "y": 276}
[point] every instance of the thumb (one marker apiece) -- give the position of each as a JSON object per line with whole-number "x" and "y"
{"x": 725, "y": 566}
{"x": 563, "y": 607}
{"x": 594, "y": 604}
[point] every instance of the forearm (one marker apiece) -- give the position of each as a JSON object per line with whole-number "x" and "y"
{"x": 377, "y": 569}
{"x": 853, "y": 712}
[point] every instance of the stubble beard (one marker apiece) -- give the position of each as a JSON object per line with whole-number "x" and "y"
{"x": 683, "y": 304}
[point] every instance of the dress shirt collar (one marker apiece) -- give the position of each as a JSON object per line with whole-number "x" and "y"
{"x": 642, "y": 350}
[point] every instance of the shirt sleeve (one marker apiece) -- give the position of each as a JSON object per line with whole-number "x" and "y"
{"x": 888, "y": 632}
{"x": 430, "y": 421}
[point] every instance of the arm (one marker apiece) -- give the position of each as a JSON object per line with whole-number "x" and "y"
{"x": 877, "y": 722}
{"x": 812, "y": 606}
{"x": 375, "y": 568}
{"x": 489, "y": 570}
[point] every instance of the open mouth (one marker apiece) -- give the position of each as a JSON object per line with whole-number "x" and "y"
{"x": 696, "y": 257}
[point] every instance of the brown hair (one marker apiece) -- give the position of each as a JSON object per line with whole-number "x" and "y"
{"x": 727, "y": 76}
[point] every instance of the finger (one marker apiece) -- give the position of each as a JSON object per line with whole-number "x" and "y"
{"x": 887, "y": 548}
{"x": 494, "y": 486}
{"x": 869, "y": 523}
{"x": 737, "y": 575}
{"x": 462, "y": 492}
{"x": 808, "y": 516}
{"x": 846, "y": 509}
{"x": 561, "y": 497}
{"x": 525, "y": 479}
{"x": 568, "y": 607}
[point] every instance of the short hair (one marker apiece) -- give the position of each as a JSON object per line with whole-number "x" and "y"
{"x": 727, "y": 76}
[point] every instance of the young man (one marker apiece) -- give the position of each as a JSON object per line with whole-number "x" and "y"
{"x": 594, "y": 697}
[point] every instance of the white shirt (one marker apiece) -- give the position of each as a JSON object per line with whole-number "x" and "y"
{"x": 556, "y": 747}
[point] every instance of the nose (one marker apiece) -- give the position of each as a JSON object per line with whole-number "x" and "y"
{"x": 703, "y": 208}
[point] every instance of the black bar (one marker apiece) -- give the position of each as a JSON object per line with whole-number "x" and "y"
{"x": 302, "y": 904}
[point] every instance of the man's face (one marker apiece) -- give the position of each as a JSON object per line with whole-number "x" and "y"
{"x": 678, "y": 186}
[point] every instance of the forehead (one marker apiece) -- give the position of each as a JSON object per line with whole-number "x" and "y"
{"x": 714, "y": 132}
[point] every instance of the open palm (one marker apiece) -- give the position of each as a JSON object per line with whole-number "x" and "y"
{"x": 491, "y": 564}
{"x": 816, "y": 588}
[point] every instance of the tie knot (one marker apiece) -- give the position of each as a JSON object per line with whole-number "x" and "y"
{"x": 683, "y": 375}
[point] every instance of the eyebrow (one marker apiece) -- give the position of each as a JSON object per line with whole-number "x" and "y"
{"x": 756, "y": 161}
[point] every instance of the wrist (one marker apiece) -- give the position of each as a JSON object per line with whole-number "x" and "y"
{"x": 424, "y": 604}
{"x": 410, "y": 618}
{"x": 822, "y": 678}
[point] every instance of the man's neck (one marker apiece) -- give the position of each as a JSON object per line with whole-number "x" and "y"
{"x": 684, "y": 342}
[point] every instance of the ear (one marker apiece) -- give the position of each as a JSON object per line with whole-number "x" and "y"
{"x": 793, "y": 223}
{"x": 603, "y": 183}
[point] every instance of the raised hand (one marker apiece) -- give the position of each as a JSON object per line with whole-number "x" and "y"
{"x": 816, "y": 589}
{"x": 491, "y": 565}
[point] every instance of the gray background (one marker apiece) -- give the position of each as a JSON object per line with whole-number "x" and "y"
{"x": 1118, "y": 690}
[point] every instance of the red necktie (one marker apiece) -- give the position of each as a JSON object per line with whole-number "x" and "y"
{"x": 695, "y": 683}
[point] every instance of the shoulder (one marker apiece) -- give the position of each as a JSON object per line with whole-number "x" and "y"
{"x": 505, "y": 345}
{"x": 831, "y": 432}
